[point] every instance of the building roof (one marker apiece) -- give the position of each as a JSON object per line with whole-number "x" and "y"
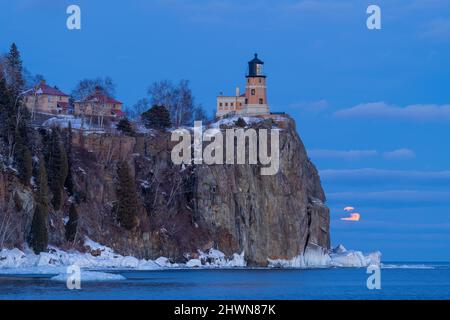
{"x": 43, "y": 88}
{"x": 101, "y": 97}
{"x": 256, "y": 60}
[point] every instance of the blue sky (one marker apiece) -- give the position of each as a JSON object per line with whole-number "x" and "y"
{"x": 372, "y": 106}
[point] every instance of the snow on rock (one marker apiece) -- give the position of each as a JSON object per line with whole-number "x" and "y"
{"x": 90, "y": 276}
{"x": 214, "y": 258}
{"x": 98, "y": 256}
{"x": 164, "y": 262}
{"x": 194, "y": 263}
{"x": 55, "y": 260}
{"x": 232, "y": 120}
{"x": 338, "y": 257}
{"x": 11, "y": 258}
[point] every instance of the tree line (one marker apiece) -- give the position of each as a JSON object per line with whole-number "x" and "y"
{"x": 42, "y": 159}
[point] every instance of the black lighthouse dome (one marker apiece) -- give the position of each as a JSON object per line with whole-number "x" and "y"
{"x": 255, "y": 67}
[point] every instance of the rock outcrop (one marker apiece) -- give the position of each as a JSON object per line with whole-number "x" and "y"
{"x": 183, "y": 209}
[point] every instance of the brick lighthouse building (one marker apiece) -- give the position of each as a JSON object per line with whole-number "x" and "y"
{"x": 251, "y": 103}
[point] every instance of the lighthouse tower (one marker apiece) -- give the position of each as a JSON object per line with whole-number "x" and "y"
{"x": 251, "y": 103}
{"x": 255, "y": 89}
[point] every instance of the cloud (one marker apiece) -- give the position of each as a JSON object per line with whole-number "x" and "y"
{"x": 345, "y": 155}
{"x": 382, "y": 110}
{"x": 312, "y": 106}
{"x": 392, "y": 195}
{"x": 397, "y": 154}
{"x": 372, "y": 173}
{"x": 349, "y": 208}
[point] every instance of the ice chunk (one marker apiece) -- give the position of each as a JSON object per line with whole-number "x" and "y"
{"x": 194, "y": 263}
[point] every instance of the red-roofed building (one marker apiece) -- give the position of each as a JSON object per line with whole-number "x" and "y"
{"x": 98, "y": 104}
{"x": 46, "y": 99}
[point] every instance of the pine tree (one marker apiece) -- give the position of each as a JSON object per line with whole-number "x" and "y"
{"x": 126, "y": 208}
{"x": 69, "y": 180}
{"x": 125, "y": 126}
{"x": 15, "y": 71}
{"x": 38, "y": 238}
{"x": 241, "y": 123}
{"x": 156, "y": 118}
{"x": 5, "y": 109}
{"x": 16, "y": 117}
{"x": 24, "y": 162}
{"x": 71, "y": 226}
{"x": 57, "y": 168}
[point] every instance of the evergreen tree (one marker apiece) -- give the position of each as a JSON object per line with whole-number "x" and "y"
{"x": 69, "y": 180}
{"x": 57, "y": 168}
{"x": 15, "y": 71}
{"x": 38, "y": 238}
{"x": 24, "y": 162}
{"x": 5, "y": 105}
{"x": 71, "y": 226}
{"x": 125, "y": 126}
{"x": 15, "y": 117}
{"x": 241, "y": 123}
{"x": 126, "y": 208}
{"x": 156, "y": 118}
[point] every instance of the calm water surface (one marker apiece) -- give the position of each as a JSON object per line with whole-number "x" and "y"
{"x": 428, "y": 281}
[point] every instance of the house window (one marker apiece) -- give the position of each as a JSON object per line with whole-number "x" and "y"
{"x": 231, "y": 104}
{"x": 260, "y": 101}
{"x": 253, "y": 92}
{"x": 49, "y": 98}
{"x": 220, "y": 104}
{"x": 246, "y": 101}
{"x": 226, "y": 104}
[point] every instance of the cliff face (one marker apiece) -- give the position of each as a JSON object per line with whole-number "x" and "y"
{"x": 185, "y": 208}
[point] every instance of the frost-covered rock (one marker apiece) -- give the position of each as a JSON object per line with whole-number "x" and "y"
{"x": 163, "y": 262}
{"x": 338, "y": 257}
{"x": 11, "y": 258}
{"x": 194, "y": 263}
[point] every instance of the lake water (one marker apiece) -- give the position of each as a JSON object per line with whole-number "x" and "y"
{"x": 399, "y": 281}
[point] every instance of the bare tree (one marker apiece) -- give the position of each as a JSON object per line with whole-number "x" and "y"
{"x": 7, "y": 227}
{"x": 135, "y": 111}
{"x": 86, "y": 87}
{"x": 178, "y": 99}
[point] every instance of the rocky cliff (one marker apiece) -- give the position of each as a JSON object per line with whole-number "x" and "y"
{"x": 183, "y": 209}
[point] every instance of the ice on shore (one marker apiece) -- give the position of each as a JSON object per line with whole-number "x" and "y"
{"x": 337, "y": 257}
{"x": 99, "y": 257}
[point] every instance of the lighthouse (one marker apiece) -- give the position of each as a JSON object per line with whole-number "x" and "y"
{"x": 255, "y": 89}
{"x": 251, "y": 103}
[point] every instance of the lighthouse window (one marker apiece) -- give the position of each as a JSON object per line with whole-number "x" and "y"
{"x": 260, "y": 101}
{"x": 253, "y": 92}
{"x": 259, "y": 80}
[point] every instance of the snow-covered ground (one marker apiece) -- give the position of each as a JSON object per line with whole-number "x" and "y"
{"x": 56, "y": 261}
{"x": 63, "y": 121}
